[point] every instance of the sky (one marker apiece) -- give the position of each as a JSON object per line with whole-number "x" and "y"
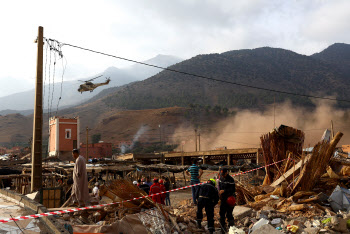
{"x": 143, "y": 29}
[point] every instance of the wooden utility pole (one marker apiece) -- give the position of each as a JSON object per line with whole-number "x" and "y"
{"x": 199, "y": 141}
{"x": 195, "y": 138}
{"x": 36, "y": 178}
{"x": 87, "y": 144}
{"x": 332, "y": 130}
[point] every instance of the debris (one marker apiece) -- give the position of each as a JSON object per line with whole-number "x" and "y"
{"x": 338, "y": 224}
{"x": 260, "y": 223}
{"x": 265, "y": 229}
{"x": 276, "y": 221}
{"x": 340, "y": 199}
{"x": 235, "y": 230}
{"x": 292, "y": 228}
{"x": 240, "y": 212}
{"x": 311, "y": 230}
{"x": 297, "y": 207}
{"x": 316, "y": 166}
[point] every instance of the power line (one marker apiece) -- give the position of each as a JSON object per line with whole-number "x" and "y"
{"x": 203, "y": 77}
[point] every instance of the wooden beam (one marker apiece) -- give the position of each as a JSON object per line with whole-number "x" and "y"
{"x": 289, "y": 173}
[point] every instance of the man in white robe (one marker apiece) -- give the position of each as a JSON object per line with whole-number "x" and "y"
{"x": 80, "y": 190}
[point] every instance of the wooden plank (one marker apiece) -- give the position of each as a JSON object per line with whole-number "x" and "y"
{"x": 289, "y": 173}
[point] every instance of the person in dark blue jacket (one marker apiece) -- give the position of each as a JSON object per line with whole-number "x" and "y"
{"x": 207, "y": 197}
{"x": 227, "y": 188}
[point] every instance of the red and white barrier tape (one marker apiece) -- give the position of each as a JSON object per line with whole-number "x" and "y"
{"x": 114, "y": 203}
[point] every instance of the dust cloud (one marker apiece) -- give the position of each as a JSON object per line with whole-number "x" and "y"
{"x": 245, "y": 128}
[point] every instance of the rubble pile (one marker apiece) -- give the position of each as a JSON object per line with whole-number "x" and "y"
{"x": 305, "y": 193}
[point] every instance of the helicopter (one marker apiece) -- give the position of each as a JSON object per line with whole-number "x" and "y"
{"x": 89, "y": 86}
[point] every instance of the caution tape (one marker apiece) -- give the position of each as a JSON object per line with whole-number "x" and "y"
{"x": 115, "y": 203}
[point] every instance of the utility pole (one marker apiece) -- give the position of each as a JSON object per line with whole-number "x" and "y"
{"x": 332, "y": 130}
{"x": 160, "y": 134}
{"x": 199, "y": 141}
{"x": 87, "y": 144}
{"x": 195, "y": 136}
{"x": 36, "y": 175}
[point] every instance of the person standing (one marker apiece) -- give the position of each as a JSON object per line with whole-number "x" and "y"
{"x": 167, "y": 188}
{"x": 155, "y": 188}
{"x": 80, "y": 190}
{"x": 148, "y": 181}
{"x": 162, "y": 189}
{"x": 227, "y": 193}
{"x": 208, "y": 197}
{"x": 195, "y": 172}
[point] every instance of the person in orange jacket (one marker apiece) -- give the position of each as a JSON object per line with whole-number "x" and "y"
{"x": 155, "y": 188}
{"x": 162, "y": 189}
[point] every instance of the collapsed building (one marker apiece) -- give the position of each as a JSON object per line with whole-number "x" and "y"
{"x": 292, "y": 190}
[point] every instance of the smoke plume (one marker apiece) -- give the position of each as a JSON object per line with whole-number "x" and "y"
{"x": 245, "y": 128}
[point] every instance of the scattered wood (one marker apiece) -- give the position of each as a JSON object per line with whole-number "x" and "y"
{"x": 297, "y": 207}
{"x": 317, "y": 164}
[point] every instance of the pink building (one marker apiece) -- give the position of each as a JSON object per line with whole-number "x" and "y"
{"x": 64, "y": 136}
{"x": 97, "y": 150}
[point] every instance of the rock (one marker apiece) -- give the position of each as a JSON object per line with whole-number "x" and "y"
{"x": 240, "y": 212}
{"x": 235, "y": 230}
{"x": 262, "y": 214}
{"x": 266, "y": 229}
{"x": 311, "y": 230}
{"x": 276, "y": 221}
{"x": 338, "y": 224}
{"x": 316, "y": 223}
{"x": 258, "y": 224}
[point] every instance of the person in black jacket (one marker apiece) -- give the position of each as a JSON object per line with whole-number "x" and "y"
{"x": 207, "y": 197}
{"x": 227, "y": 188}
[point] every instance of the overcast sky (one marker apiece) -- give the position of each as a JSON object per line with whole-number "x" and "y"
{"x": 142, "y": 29}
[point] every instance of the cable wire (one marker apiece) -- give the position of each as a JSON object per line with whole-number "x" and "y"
{"x": 204, "y": 77}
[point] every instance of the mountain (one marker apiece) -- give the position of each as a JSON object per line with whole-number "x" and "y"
{"x": 268, "y": 68}
{"x": 118, "y": 112}
{"x": 25, "y": 100}
{"x": 337, "y": 55}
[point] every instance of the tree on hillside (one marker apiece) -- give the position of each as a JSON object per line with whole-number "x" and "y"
{"x": 225, "y": 111}
{"x": 217, "y": 109}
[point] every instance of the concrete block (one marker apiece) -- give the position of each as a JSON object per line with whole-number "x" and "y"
{"x": 266, "y": 229}
{"x": 240, "y": 212}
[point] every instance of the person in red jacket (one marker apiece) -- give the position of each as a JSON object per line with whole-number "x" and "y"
{"x": 155, "y": 188}
{"x": 162, "y": 189}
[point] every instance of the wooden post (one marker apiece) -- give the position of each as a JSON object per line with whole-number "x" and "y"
{"x": 195, "y": 139}
{"x": 229, "y": 159}
{"x": 204, "y": 159}
{"x": 36, "y": 178}
{"x": 199, "y": 142}
{"x": 332, "y": 130}
{"x": 182, "y": 160}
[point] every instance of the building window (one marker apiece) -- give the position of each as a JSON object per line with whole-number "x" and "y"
{"x": 68, "y": 133}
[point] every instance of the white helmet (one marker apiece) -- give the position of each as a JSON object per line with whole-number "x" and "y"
{"x": 135, "y": 182}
